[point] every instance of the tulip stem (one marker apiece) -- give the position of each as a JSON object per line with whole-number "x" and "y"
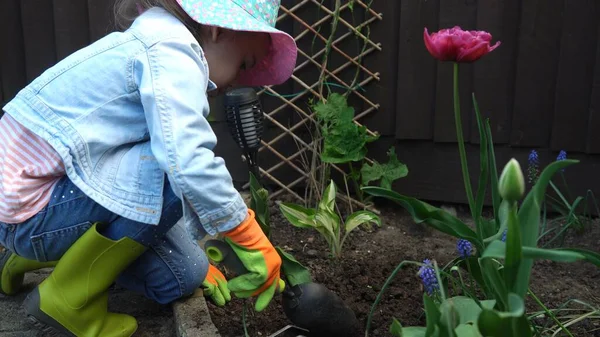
{"x": 461, "y": 145}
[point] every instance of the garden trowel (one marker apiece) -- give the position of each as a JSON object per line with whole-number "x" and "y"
{"x": 308, "y": 305}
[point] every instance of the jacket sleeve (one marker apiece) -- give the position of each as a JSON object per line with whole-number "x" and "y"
{"x": 172, "y": 78}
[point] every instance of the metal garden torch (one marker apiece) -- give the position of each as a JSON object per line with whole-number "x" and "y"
{"x": 245, "y": 119}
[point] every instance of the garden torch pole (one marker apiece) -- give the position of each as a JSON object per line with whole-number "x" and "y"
{"x": 245, "y": 119}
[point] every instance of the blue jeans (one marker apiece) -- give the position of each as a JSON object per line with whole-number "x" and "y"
{"x": 173, "y": 266}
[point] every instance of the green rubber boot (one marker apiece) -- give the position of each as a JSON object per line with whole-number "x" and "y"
{"x": 73, "y": 299}
{"x": 13, "y": 269}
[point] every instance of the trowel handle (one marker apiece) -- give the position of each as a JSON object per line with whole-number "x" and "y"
{"x": 220, "y": 252}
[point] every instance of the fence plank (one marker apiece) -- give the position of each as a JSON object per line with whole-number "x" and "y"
{"x": 38, "y": 34}
{"x": 464, "y": 14}
{"x": 1, "y": 93}
{"x": 386, "y": 63}
{"x": 12, "y": 53}
{"x": 593, "y": 140}
{"x": 417, "y": 69}
{"x": 539, "y": 43}
{"x": 71, "y": 26}
{"x": 575, "y": 76}
{"x": 101, "y": 18}
{"x": 494, "y": 74}
{"x": 269, "y": 102}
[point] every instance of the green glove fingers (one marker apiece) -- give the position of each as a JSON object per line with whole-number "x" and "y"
{"x": 215, "y": 287}
{"x": 263, "y": 300}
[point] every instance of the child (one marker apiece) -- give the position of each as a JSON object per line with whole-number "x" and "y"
{"x": 103, "y": 153}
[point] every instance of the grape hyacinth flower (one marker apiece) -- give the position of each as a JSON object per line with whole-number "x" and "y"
{"x": 562, "y": 155}
{"x": 533, "y": 169}
{"x": 427, "y": 275}
{"x": 504, "y": 235}
{"x": 464, "y": 248}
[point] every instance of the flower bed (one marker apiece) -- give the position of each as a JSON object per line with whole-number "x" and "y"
{"x": 369, "y": 258}
{"x": 479, "y": 279}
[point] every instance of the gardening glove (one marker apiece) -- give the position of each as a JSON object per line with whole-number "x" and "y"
{"x": 261, "y": 260}
{"x": 215, "y": 286}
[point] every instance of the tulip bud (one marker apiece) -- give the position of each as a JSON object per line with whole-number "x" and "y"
{"x": 512, "y": 182}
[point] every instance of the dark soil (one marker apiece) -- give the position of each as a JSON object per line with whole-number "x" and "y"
{"x": 370, "y": 257}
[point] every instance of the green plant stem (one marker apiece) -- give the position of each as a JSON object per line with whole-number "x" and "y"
{"x": 378, "y": 298}
{"x": 560, "y": 195}
{"x": 244, "y": 319}
{"x": 566, "y": 185}
{"x": 354, "y": 177}
{"x": 329, "y": 43}
{"x": 549, "y": 312}
{"x": 461, "y": 150}
{"x": 471, "y": 285}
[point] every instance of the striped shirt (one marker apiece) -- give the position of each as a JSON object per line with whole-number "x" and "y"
{"x": 29, "y": 169}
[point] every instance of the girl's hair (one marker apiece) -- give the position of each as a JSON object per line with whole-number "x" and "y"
{"x": 126, "y": 11}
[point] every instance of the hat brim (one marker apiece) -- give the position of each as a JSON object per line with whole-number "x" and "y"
{"x": 277, "y": 67}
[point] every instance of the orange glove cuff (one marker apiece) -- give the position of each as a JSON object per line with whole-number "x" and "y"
{"x": 248, "y": 233}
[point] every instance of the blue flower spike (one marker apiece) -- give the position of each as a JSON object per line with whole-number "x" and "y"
{"x": 562, "y": 155}
{"x": 533, "y": 169}
{"x": 464, "y": 248}
{"x": 427, "y": 275}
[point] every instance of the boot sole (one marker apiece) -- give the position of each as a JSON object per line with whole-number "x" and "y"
{"x": 40, "y": 320}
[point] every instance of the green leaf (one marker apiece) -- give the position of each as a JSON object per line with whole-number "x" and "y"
{"x": 488, "y": 304}
{"x": 361, "y": 217}
{"x": 483, "y": 170}
{"x": 497, "y": 250}
{"x": 514, "y": 255}
{"x": 298, "y": 215}
{"x": 432, "y": 315}
{"x": 346, "y": 142}
{"x": 493, "y": 173}
{"x": 433, "y": 216}
{"x": 529, "y": 219}
{"x": 397, "y": 330}
{"x": 466, "y": 307}
{"x": 336, "y": 110}
{"x": 294, "y": 271}
{"x": 471, "y": 264}
{"x": 512, "y": 323}
{"x": 494, "y": 281}
{"x": 259, "y": 204}
{"x": 467, "y": 330}
{"x": 327, "y": 203}
{"x": 387, "y": 173}
{"x": 328, "y": 224}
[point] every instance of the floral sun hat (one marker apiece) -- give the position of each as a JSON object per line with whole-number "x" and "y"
{"x": 254, "y": 16}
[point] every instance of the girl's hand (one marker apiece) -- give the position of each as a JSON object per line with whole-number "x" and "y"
{"x": 260, "y": 258}
{"x": 215, "y": 286}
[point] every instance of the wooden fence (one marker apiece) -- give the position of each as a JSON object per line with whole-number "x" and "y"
{"x": 540, "y": 88}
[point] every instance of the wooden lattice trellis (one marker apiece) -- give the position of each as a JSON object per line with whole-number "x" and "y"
{"x": 352, "y": 61}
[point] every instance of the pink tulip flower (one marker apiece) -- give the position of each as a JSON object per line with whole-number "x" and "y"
{"x": 458, "y": 45}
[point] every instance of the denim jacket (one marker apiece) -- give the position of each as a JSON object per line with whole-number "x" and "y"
{"x": 129, "y": 108}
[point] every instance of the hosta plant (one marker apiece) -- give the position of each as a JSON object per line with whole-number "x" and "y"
{"x": 326, "y": 220}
